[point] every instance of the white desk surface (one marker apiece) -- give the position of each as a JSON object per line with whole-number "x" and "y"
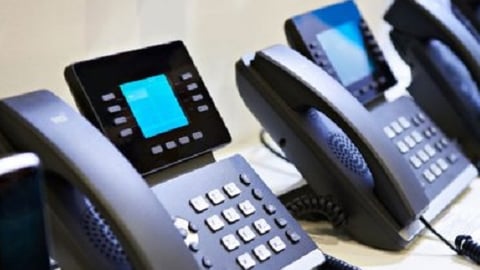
{"x": 463, "y": 217}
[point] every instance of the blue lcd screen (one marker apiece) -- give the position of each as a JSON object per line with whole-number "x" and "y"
{"x": 346, "y": 51}
{"x": 154, "y": 105}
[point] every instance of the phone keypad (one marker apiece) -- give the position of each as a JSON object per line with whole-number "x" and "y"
{"x": 417, "y": 138}
{"x": 235, "y": 222}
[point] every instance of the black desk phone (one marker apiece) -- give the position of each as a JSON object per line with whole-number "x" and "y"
{"x": 384, "y": 163}
{"x": 440, "y": 42}
{"x": 104, "y": 215}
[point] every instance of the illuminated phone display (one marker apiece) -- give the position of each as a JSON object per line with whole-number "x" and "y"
{"x": 151, "y": 103}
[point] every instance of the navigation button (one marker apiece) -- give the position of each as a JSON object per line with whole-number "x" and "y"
{"x": 202, "y": 108}
{"x": 126, "y": 132}
{"x": 114, "y": 109}
{"x": 184, "y": 140}
{"x": 157, "y": 149}
{"x": 186, "y": 76}
{"x": 197, "y": 135}
{"x": 192, "y": 86}
{"x": 170, "y": 145}
{"x": 197, "y": 97}
{"x": 120, "y": 120}
{"x": 108, "y": 97}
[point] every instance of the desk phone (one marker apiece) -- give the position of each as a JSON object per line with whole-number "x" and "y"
{"x": 384, "y": 163}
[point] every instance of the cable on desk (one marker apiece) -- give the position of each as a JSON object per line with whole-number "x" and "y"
{"x": 267, "y": 145}
{"x": 464, "y": 244}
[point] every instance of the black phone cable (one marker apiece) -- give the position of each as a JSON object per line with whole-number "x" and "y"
{"x": 267, "y": 145}
{"x": 464, "y": 244}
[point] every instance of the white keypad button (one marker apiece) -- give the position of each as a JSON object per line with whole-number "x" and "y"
{"x": 428, "y": 175}
{"x": 216, "y": 196}
{"x": 246, "y": 207}
{"x": 442, "y": 164}
{"x": 230, "y": 242}
{"x": 246, "y": 234}
{"x": 214, "y": 223}
{"x": 403, "y": 147}
{"x": 404, "y": 122}
{"x": 409, "y": 141}
{"x": 199, "y": 204}
{"x": 262, "y": 226}
{"x": 231, "y": 189}
{"x": 389, "y": 132}
{"x": 396, "y": 127}
{"x": 415, "y": 161}
{"x": 277, "y": 244}
{"x": 436, "y": 169}
{"x": 246, "y": 261}
{"x": 262, "y": 253}
{"x": 430, "y": 150}
{"x": 423, "y": 155}
{"x": 230, "y": 215}
{"x": 417, "y": 136}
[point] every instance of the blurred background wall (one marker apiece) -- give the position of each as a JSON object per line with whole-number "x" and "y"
{"x": 39, "y": 38}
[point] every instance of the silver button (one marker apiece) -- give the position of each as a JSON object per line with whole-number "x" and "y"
{"x": 192, "y": 86}
{"x": 157, "y": 149}
{"x": 197, "y": 97}
{"x": 197, "y": 135}
{"x": 108, "y": 97}
{"x": 186, "y": 76}
{"x": 114, "y": 109}
{"x": 126, "y": 132}
{"x": 184, "y": 140}
{"x": 202, "y": 108}
{"x": 119, "y": 120}
{"x": 170, "y": 145}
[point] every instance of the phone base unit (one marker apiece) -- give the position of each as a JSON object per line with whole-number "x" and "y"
{"x": 315, "y": 144}
{"x": 444, "y": 57}
{"x": 228, "y": 218}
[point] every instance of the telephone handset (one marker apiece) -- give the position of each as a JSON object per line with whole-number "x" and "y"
{"x": 80, "y": 163}
{"x": 102, "y": 214}
{"x": 442, "y": 47}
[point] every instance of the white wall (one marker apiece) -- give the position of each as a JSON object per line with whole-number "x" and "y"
{"x": 39, "y": 38}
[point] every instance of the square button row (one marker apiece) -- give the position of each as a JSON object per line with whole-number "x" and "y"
{"x": 199, "y": 204}
{"x": 409, "y": 142}
{"x": 422, "y": 156}
{"x": 230, "y": 242}
{"x": 158, "y": 149}
{"x": 396, "y": 127}
{"x": 261, "y": 252}
{"x": 215, "y": 223}
{"x": 435, "y": 170}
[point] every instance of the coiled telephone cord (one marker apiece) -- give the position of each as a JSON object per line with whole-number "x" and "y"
{"x": 464, "y": 244}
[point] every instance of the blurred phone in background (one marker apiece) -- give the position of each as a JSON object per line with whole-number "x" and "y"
{"x": 22, "y": 230}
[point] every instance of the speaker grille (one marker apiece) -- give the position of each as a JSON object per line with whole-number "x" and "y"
{"x": 101, "y": 236}
{"x": 347, "y": 153}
